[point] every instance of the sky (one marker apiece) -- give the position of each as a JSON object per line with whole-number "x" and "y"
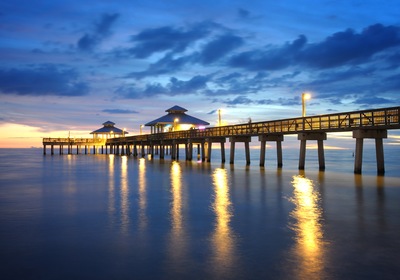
{"x": 68, "y": 66}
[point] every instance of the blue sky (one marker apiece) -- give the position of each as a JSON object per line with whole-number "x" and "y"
{"x": 72, "y": 65}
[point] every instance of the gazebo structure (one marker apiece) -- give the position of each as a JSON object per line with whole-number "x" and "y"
{"x": 175, "y": 120}
{"x": 108, "y": 131}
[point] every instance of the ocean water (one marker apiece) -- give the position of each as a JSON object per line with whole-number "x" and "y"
{"x": 118, "y": 217}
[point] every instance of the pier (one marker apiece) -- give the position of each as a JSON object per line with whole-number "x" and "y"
{"x": 365, "y": 124}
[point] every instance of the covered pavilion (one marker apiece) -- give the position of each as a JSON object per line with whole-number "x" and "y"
{"x": 109, "y": 131}
{"x": 175, "y": 120}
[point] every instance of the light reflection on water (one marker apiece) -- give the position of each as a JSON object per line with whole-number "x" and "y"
{"x": 222, "y": 237}
{"x": 177, "y": 247}
{"x": 125, "y": 220}
{"x": 142, "y": 194}
{"x": 310, "y": 245}
{"x": 111, "y": 187}
{"x": 132, "y": 218}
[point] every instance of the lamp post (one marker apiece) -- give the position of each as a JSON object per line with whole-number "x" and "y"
{"x": 304, "y": 97}
{"x": 219, "y": 117}
{"x": 123, "y": 132}
{"x": 141, "y": 127}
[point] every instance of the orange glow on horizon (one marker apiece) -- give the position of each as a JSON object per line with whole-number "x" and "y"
{"x": 25, "y": 136}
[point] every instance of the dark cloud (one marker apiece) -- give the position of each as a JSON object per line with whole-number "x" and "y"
{"x": 174, "y": 87}
{"x": 219, "y": 47}
{"x": 349, "y": 47}
{"x": 243, "y": 13}
{"x": 42, "y": 80}
{"x": 102, "y": 29}
{"x": 119, "y": 111}
{"x": 372, "y": 100}
{"x": 271, "y": 58}
{"x": 167, "y": 64}
{"x": 168, "y": 38}
{"x": 340, "y": 49}
{"x": 244, "y": 100}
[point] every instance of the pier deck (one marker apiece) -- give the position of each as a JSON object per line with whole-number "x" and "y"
{"x": 372, "y": 123}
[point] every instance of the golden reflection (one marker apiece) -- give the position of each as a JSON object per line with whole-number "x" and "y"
{"x": 124, "y": 194}
{"x": 307, "y": 213}
{"x": 223, "y": 240}
{"x": 142, "y": 194}
{"x": 111, "y": 186}
{"x": 178, "y": 242}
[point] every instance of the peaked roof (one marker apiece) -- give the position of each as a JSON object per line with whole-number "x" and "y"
{"x": 177, "y": 112}
{"x": 108, "y": 128}
{"x": 108, "y": 123}
{"x": 176, "y": 109}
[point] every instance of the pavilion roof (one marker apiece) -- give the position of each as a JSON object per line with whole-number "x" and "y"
{"x": 108, "y": 128}
{"x": 177, "y": 112}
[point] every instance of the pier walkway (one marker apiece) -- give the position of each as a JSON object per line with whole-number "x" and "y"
{"x": 365, "y": 124}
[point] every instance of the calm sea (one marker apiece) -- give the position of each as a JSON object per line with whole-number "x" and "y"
{"x": 118, "y": 217}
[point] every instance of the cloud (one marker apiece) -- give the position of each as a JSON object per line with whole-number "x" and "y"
{"x": 102, "y": 29}
{"x": 219, "y": 47}
{"x": 271, "y": 58}
{"x": 346, "y": 48}
{"x": 119, "y": 111}
{"x": 349, "y": 47}
{"x": 42, "y": 80}
{"x": 167, "y": 38}
{"x": 167, "y": 64}
{"x": 174, "y": 87}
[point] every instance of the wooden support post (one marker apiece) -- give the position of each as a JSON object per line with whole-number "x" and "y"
{"x": 44, "y": 149}
{"x": 302, "y": 156}
{"x": 262, "y": 152}
{"x": 209, "y": 149}
{"x": 247, "y": 152}
{"x": 143, "y": 152}
{"x": 190, "y": 151}
{"x": 52, "y": 149}
{"x": 378, "y": 135}
{"x": 320, "y": 137}
{"x": 279, "y": 153}
{"x": 271, "y": 138}
{"x": 232, "y": 154}
{"x": 162, "y": 148}
{"x": 321, "y": 156}
{"x": 203, "y": 152}
{"x": 223, "y": 152}
{"x": 358, "y": 155}
{"x": 246, "y": 140}
{"x": 173, "y": 151}
{"x": 77, "y": 149}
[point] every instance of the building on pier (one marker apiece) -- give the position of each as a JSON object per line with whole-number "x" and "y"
{"x": 175, "y": 120}
{"x": 108, "y": 131}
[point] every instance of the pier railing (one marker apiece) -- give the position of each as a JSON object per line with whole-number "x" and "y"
{"x": 386, "y": 118}
{"x": 74, "y": 141}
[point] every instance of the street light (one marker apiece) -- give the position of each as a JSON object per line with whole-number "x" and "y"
{"x": 123, "y": 132}
{"x": 141, "y": 126}
{"x": 304, "y": 97}
{"x": 219, "y": 117}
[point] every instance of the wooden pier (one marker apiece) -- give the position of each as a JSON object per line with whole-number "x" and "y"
{"x": 366, "y": 124}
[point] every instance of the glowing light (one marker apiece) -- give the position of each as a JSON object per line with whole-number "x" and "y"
{"x": 223, "y": 240}
{"x": 304, "y": 96}
{"x": 124, "y": 194}
{"x": 142, "y": 194}
{"x": 178, "y": 246}
{"x": 308, "y": 229}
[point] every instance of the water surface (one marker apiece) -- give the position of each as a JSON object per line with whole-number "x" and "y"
{"x": 113, "y": 217}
